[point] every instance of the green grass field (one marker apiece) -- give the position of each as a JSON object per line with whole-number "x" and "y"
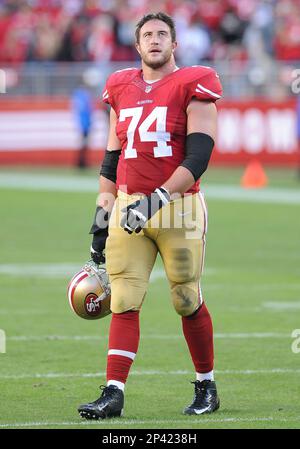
{"x": 54, "y": 361}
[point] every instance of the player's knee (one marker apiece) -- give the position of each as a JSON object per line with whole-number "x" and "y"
{"x": 185, "y": 299}
{"x": 125, "y": 297}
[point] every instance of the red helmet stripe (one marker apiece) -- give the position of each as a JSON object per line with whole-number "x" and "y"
{"x": 73, "y": 284}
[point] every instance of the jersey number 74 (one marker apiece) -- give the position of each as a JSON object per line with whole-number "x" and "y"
{"x": 160, "y": 136}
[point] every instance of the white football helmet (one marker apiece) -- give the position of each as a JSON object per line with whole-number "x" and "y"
{"x": 89, "y": 292}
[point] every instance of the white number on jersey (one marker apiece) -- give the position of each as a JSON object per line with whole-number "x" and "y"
{"x": 160, "y": 136}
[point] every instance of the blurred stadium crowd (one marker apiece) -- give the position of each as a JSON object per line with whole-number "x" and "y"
{"x": 103, "y": 30}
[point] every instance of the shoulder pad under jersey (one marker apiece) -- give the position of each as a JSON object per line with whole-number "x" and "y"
{"x": 201, "y": 82}
{"x": 116, "y": 81}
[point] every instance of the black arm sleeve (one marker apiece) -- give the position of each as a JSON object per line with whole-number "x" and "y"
{"x": 198, "y": 147}
{"x": 110, "y": 164}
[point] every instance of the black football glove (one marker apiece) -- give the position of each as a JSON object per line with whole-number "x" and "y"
{"x": 99, "y": 230}
{"x": 138, "y": 213}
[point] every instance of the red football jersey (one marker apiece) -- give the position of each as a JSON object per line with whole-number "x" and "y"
{"x": 152, "y": 120}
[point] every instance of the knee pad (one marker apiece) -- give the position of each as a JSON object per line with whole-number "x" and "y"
{"x": 180, "y": 264}
{"x": 126, "y": 295}
{"x": 186, "y": 298}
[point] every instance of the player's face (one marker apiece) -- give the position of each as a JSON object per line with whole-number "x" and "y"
{"x": 155, "y": 46}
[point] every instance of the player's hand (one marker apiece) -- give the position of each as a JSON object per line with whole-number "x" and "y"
{"x": 99, "y": 230}
{"x": 98, "y": 246}
{"x": 138, "y": 213}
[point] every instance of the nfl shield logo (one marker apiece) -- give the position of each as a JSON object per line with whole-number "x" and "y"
{"x": 148, "y": 89}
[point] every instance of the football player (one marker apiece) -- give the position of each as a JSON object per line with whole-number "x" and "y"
{"x": 163, "y": 122}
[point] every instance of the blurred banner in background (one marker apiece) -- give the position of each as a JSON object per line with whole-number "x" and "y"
{"x": 45, "y": 132}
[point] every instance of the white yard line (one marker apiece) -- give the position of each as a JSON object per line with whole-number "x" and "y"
{"x": 117, "y": 422}
{"x": 257, "y": 287}
{"x": 230, "y": 335}
{"x": 282, "y": 305}
{"x": 57, "y": 270}
{"x": 267, "y": 195}
{"x": 72, "y": 183}
{"x": 65, "y": 270}
{"x": 247, "y": 372}
{"x": 40, "y": 270}
{"x": 47, "y": 182}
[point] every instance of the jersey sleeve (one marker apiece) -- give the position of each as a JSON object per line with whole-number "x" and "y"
{"x": 205, "y": 85}
{"x": 107, "y": 93}
{"x": 115, "y": 84}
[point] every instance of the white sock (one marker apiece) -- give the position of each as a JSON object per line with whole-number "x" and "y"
{"x": 118, "y": 384}
{"x": 205, "y": 376}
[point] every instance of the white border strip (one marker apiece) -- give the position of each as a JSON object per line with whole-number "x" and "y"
{"x": 153, "y": 421}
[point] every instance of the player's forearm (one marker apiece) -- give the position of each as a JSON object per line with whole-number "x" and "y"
{"x": 180, "y": 181}
{"x": 107, "y": 193}
{"x": 198, "y": 149}
{"x": 107, "y": 180}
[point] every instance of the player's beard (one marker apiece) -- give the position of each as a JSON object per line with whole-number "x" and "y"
{"x": 165, "y": 58}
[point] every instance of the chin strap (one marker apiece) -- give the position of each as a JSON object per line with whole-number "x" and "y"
{"x": 101, "y": 274}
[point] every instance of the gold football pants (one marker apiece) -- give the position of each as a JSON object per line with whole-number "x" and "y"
{"x": 177, "y": 232}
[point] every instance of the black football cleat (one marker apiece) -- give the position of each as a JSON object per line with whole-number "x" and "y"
{"x": 109, "y": 405}
{"x": 206, "y": 398}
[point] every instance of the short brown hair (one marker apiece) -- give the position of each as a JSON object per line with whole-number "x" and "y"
{"x": 156, "y": 16}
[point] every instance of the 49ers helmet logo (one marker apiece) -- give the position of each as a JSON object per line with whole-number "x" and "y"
{"x": 89, "y": 292}
{"x": 92, "y": 306}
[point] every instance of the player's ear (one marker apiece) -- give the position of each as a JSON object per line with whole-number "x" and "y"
{"x": 174, "y": 45}
{"x": 137, "y": 46}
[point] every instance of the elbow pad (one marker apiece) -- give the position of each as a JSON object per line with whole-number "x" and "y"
{"x": 110, "y": 164}
{"x": 198, "y": 149}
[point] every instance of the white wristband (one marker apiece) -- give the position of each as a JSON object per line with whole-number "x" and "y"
{"x": 162, "y": 196}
